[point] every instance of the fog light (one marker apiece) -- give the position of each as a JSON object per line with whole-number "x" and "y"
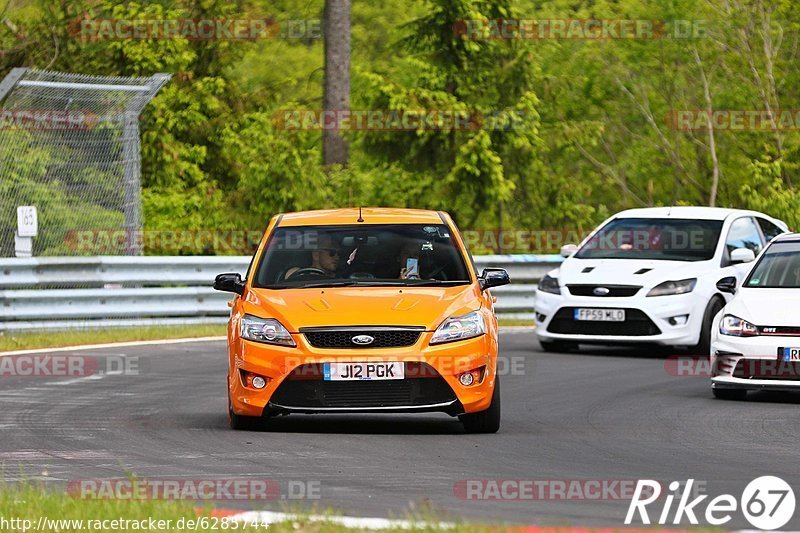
{"x": 540, "y": 317}
{"x": 473, "y": 377}
{"x": 679, "y": 320}
{"x": 254, "y": 381}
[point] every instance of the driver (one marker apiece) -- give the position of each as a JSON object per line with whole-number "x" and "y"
{"x": 324, "y": 257}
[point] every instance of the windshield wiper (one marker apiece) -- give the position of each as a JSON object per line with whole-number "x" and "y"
{"x": 424, "y": 282}
{"x": 347, "y": 283}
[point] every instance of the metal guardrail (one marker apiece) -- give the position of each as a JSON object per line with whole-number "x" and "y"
{"x": 82, "y": 292}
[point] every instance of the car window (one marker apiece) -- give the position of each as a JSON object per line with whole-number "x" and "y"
{"x": 743, "y": 234}
{"x": 779, "y": 267}
{"x": 375, "y": 254}
{"x": 769, "y": 229}
{"x": 669, "y": 239}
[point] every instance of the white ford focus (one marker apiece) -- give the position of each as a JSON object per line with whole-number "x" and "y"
{"x": 755, "y": 343}
{"x": 649, "y": 276}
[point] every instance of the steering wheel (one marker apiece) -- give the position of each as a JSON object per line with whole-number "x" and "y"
{"x": 362, "y": 275}
{"x": 436, "y": 272}
{"x": 307, "y": 272}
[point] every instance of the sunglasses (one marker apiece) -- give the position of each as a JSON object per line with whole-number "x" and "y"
{"x": 330, "y": 251}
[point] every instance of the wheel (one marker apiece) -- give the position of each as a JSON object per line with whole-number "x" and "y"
{"x": 729, "y": 394}
{"x": 487, "y": 421}
{"x": 703, "y": 347}
{"x": 558, "y": 346}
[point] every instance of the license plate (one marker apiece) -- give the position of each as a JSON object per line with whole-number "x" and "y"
{"x": 791, "y": 354}
{"x": 600, "y": 315}
{"x": 362, "y": 371}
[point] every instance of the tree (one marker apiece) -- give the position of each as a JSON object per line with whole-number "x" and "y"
{"x": 337, "y": 77}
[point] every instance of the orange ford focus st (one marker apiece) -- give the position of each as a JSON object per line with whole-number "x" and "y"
{"x": 373, "y": 310}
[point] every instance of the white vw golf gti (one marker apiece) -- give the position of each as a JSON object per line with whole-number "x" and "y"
{"x": 755, "y": 343}
{"x": 649, "y": 276}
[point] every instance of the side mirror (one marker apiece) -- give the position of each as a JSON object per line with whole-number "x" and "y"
{"x": 493, "y": 277}
{"x": 231, "y": 282}
{"x": 742, "y": 255}
{"x": 727, "y": 284}
{"x": 568, "y": 249}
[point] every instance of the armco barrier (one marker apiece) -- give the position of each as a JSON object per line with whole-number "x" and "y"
{"x": 80, "y": 292}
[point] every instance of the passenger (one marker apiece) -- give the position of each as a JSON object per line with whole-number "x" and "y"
{"x": 409, "y": 250}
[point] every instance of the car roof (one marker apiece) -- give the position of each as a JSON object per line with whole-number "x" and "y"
{"x": 370, "y": 215}
{"x": 690, "y": 212}
{"x": 786, "y": 237}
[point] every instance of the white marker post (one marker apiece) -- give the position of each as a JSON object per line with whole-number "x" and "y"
{"x": 27, "y": 228}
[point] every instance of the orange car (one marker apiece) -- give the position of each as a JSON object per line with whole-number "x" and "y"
{"x": 373, "y": 310}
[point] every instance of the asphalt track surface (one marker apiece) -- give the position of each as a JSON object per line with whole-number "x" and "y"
{"x": 604, "y": 414}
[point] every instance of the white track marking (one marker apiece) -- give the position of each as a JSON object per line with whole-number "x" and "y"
{"x": 269, "y": 517}
{"x": 115, "y": 345}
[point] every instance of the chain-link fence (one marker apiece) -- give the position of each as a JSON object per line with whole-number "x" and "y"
{"x": 69, "y": 145}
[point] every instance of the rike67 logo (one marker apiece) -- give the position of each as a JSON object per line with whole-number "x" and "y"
{"x": 767, "y": 503}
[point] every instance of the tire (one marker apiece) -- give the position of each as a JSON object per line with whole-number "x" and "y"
{"x": 487, "y": 421}
{"x": 703, "y": 346}
{"x": 558, "y": 346}
{"x": 729, "y": 394}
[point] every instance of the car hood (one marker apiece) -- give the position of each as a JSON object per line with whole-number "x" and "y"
{"x": 766, "y": 307}
{"x": 362, "y": 306}
{"x": 642, "y": 272}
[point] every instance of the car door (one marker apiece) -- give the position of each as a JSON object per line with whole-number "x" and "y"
{"x": 742, "y": 233}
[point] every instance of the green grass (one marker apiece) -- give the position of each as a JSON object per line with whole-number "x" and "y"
{"x": 515, "y": 322}
{"x": 55, "y": 339}
{"x": 30, "y": 501}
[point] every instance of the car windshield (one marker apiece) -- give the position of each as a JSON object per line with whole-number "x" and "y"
{"x": 778, "y": 268}
{"x": 666, "y": 239}
{"x": 363, "y": 255}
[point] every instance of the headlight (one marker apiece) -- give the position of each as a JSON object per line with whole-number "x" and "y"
{"x": 733, "y": 325}
{"x": 458, "y": 328}
{"x": 673, "y": 287}
{"x": 549, "y": 284}
{"x": 266, "y": 330}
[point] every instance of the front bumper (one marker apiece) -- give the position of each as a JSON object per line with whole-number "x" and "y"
{"x": 278, "y": 364}
{"x": 657, "y": 310}
{"x": 753, "y": 363}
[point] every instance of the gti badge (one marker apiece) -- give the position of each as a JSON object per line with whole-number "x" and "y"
{"x": 362, "y": 340}
{"x": 601, "y": 291}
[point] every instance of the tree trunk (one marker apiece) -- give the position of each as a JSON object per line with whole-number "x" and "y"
{"x": 337, "y": 77}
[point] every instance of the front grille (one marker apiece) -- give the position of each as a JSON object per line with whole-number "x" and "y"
{"x": 767, "y": 369}
{"x": 636, "y": 324}
{"x": 408, "y": 392}
{"x": 618, "y": 291}
{"x": 388, "y": 337}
